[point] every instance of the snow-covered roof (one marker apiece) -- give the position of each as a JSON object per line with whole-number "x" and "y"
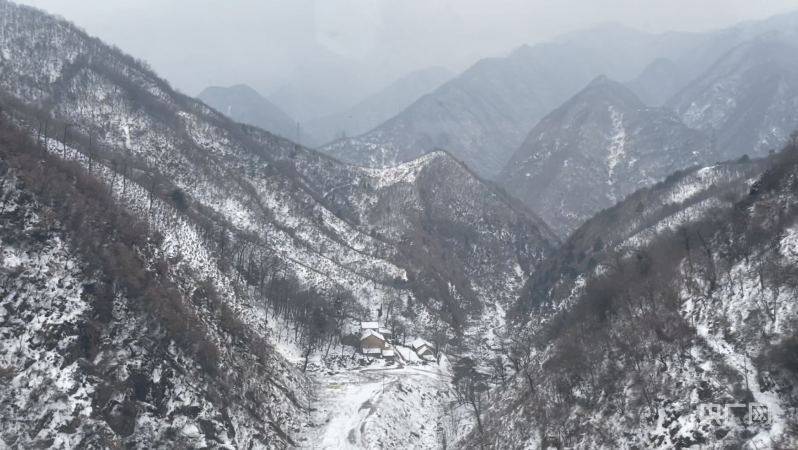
{"x": 369, "y": 325}
{"x": 367, "y": 333}
{"x": 372, "y": 351}
{"x": 418, "y": 343}
{"x": 384, "y": 330}
{"x": 388, "y": 352}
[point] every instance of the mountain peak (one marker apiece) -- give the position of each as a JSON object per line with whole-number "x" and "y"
{"x": 596, "y": 148}
{"x": 604, "y": 90}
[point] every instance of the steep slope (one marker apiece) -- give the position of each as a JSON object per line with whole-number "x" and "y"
{"x": 245, "y": 105}
{"x": 288, "y": 238}
{"x": 747, "y": 99}
{"x": 598, "y": 147}
{"x": 689, "y": 305}
{"x": 378, "y": 107}
{"x": 682, "y": 198}
{"x": 107, "y": 342}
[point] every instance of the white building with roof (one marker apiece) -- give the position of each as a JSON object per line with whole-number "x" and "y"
{"x": 372, "y": 342}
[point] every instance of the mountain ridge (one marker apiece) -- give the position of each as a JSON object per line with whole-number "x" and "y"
{"x": 595, "y": 149}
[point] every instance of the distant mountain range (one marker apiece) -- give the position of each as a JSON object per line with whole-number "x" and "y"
{"x": 243, "y": 104}
{"x": 584, "y": 156}
{"x": 658, "y": 82}
{"x": 484, "y": 115}
{"x": 481, "y": 116}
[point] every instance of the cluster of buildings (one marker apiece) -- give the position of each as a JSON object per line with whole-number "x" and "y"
{"x": 376, "y": 341}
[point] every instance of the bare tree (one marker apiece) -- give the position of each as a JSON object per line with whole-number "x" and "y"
{"x": 499, "y": 370}
{"x": 470, "y": 388}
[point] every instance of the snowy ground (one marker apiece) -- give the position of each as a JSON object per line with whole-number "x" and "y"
{"x": 382, "y": 406}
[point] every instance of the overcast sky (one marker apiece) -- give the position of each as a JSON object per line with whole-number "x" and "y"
{"x": 196, "y": 43}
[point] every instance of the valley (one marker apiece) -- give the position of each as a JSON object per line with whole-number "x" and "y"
{"x": 589, "y": 242}
{"x": 395, "y": 406}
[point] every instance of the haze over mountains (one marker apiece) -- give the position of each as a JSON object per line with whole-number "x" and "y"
{"x": 245, "y": 105}
{"x": 592, "y": 235}
{"x": 380, "y": 106}
{"x": 484, "y": 115}
{"x": 747, "y": 100}
{"x": 600, "y": 146}
{"x": 744, "y": 104}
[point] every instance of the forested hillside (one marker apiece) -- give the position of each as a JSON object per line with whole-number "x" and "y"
{"x": 107, "y": 342}
{"x": 644, "y": 325}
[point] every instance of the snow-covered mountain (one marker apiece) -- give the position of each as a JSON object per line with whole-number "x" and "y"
{"x": 245, "y": 105}
{"x": 172, "y": 278}
{"x": 748, "y": 99}
{"x": 595, "y": 149}
{"x": 664, "y": 321}
{"x": 252, "y": 234}
{"x": 378, "y": 107}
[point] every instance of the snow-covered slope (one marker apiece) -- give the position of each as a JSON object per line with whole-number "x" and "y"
{"x": 600, "y": 146}
{"x": 106, "y": 341}
{"x": 663, "y": 320}
{"x": 682, "y": 198}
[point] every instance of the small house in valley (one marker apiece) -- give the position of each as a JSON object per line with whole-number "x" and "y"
{"x": 375, "y": 341}
{"x": 423, "y": 349}
{"x": 372, "y": 342}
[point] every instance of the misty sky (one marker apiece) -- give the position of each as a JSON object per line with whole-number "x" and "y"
{"x": 268, "y": 43}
